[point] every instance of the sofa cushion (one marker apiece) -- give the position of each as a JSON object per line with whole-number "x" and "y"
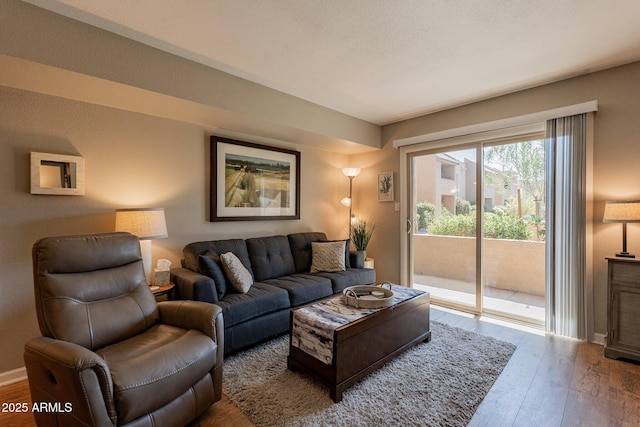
{"x": 192, "y": 251}
{"x": 155, "y": 367}
{"x": 260, "y": 300}
{"x": 327, "y": 256}
{"x": 303, "y": 288}
{"x": 270, "y": 257}
{"x": 238, "y": 275}
{"x": 350, "y": 277}
{"x": 210, "y": 265}
{"x": 300, "y": 244}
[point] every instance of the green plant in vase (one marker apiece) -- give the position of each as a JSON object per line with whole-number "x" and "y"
{"x": 361, "y": 232}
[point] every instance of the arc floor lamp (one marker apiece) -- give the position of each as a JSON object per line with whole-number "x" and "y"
{"x": 348, "y": 201}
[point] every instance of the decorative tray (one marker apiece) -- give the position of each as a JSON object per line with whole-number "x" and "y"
{"x": 367, "y": 296}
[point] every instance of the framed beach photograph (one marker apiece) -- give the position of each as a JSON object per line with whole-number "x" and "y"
{"x": 385, "y": 187}
{"x": 253, "y": 182}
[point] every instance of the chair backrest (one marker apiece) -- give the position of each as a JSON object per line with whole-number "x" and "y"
{"x": 91, "y": 289}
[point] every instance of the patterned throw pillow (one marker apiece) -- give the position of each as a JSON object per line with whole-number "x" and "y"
{"x": 327, "y": 256}
{"x": 347, "y": 252}
{"x": 237, "y": 273}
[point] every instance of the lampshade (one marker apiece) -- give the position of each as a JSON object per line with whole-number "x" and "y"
{"x": 627, "y": 211}
{"x": 146, "y": 223}
{"x": 351, "y": 172}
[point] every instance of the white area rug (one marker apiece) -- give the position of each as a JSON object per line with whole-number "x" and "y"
{"x": 440, "y": 383}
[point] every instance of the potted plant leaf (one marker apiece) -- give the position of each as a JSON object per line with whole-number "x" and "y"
{"x": 361, "y": 233}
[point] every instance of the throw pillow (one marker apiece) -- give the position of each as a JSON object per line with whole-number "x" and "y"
{"x": 211, "y": 266}
{"x": 240, "y": 278}
{"x": 347, "y": 250}
{"x": 327, "y": 256}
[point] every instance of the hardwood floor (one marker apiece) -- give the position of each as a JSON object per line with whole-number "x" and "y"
{"x": 553, "y": 381}
{"x": 549, "y": 381}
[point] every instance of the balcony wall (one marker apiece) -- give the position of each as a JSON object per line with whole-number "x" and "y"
{"x": 516, "y": 265}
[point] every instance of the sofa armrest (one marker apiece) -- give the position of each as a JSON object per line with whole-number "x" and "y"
{"x": 191, "y": 285}
{"x": 73, "y": 377}
{"x": 357, "y": 259}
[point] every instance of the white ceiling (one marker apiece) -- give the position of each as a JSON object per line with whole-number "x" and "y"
{"x": 381, "y": 60}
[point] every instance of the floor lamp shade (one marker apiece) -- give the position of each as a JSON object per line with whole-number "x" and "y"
{"x": 622, "y": 212}
{"x": 147, "y": 224}
{"x": 351, "y": 172}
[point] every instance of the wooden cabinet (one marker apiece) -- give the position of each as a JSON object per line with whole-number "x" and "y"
{"x": 623, "y": 309}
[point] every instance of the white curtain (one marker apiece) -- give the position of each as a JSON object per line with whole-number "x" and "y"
{"x": 565, "y": 152}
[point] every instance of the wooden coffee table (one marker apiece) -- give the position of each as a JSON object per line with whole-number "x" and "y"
{"x": 339, "y": 345}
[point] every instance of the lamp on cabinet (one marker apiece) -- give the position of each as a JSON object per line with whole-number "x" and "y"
{"x": 623, "y": 212}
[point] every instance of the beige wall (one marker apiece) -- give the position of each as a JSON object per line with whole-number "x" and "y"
{"x": 131, "y": 160}
{"x": 384, "y": 246}
{"x": 616, "y": 174}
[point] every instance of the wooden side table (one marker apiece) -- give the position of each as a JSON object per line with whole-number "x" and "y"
{"x": 159, "y": 291}
{"x": 623, "y": 316}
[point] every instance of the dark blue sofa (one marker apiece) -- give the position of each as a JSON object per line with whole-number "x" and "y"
{"x": 280, "y": 267}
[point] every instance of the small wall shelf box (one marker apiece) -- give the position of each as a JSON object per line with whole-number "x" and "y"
{"x": 57, "y": 174}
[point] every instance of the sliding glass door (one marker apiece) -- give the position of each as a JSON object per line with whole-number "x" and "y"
{"x": 513, "y": 257}
{"x": 444, "y": 200}
{"x": 477, "y": 236}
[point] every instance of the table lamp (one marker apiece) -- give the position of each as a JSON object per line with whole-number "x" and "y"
{"x": 624, "y": 212}
{"x": 147, "y": 224}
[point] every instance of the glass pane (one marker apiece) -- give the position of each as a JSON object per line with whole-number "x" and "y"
{"x": 514, "y": 230}
{"x": 444, "y": 209}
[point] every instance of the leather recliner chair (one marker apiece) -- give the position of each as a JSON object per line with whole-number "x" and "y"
{"x": 110, "y": 355}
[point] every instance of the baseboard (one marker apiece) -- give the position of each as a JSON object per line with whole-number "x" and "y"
{"x": 13, "y": 376}
{"x": 599, "y": 339}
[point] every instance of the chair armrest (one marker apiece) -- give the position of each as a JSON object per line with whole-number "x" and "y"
{"x": 202, "y": 316}
{"x": 191, "y": 285}
{"x": 68, "y": 374}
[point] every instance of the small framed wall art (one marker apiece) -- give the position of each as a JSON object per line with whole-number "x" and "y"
{"x": 253, "y": 182}
{"x": 385, "y": 187}
{"x": 57, "y": 174}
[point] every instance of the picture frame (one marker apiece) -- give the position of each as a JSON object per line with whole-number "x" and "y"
{"x": 253, "y": 182}
{"x": 385, "y": 187}
{"x": 57, "y": 174}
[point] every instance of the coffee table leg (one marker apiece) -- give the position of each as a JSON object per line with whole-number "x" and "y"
{"x": 291, "y": 365}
